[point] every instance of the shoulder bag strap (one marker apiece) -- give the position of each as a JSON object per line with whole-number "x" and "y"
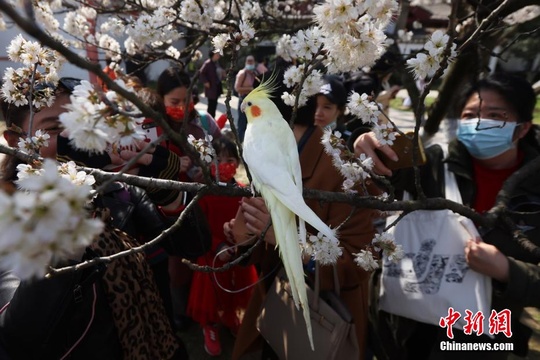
{"x": 318, "y": 284}
{"x": 451, "y": 190}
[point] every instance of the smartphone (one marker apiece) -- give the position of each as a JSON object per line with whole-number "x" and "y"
{"x": 403, "y": 147}
{"x": 150, "y": 129}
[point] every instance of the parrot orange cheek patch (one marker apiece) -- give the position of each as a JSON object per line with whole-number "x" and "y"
{"x": 255, "y": 111}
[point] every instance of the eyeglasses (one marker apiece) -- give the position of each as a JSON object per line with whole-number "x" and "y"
{"x": 503, "y": 124}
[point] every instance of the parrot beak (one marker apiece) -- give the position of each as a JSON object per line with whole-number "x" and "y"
{"x": 243, "y": 107}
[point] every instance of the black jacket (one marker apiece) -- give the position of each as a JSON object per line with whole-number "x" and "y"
{"x": 46, "y": 317}
{"x": 523, "y": 287}
{"x": 133, "y": 212}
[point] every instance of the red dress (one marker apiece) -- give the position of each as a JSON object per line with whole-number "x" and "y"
{"x": 208, "y": 302}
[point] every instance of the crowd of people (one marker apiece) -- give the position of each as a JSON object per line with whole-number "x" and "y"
{"x": 138, "y": 306}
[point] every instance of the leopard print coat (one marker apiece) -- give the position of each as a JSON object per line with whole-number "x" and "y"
{"x": 137, "y": 308}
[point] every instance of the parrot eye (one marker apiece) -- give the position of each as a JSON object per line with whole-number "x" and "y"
{"x": 249, "y": 103}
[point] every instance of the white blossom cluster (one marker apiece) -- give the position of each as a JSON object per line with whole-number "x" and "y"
{"x": 385, "y": 242}
{"x": 44, "y": 11}
{"x": 78, "y": 23}
{"x": 237, "y": 39}
{"x": 93, "y": 123}
{"x": 354, "y": 169}
{"x": 385, "y": 133}
{"x": 46, "y": 220}
{"x": 31, "y": 145}
{"x": 426, "y": 63}
{"x": 203, "y": 147}
{"x": 40, "y": 64}
{"x": 349, "y": 35}
{"x": 381, "y": 242}
{"x": 152, "y": 29}
{"x": 322, "y": 249}
{"x": 365, "y": 260}
{"x": 284, "y": 47}
{"x": 353, "y": 31}
{"x": 198, "y": 13}
{"x": 251, "y": 10}
{"x": 311, "y": 86}
{"x": 111, "y": 46}
{"x": 361, "y": 106}
{"x": 112, "y": 26}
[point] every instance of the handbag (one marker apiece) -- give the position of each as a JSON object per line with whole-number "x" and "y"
{"x": 282, "y": 324}
{"x": 433, "y": 276}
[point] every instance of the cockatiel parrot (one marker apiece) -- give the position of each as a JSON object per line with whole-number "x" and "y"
{"x": 271, "y": 153}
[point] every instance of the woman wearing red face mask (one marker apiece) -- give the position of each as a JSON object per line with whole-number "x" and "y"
{"x": 172, "y": 85}
{"x": 209, "y": 304}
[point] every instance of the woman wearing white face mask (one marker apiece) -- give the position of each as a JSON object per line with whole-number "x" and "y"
{"x": 246, "y": 80}
{"x": 494, "y": 140}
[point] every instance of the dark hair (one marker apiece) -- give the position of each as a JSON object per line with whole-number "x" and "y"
{"x": 517, "y": 91}
{"x": 170, "y": 79}
{"x": 134, "y": 81}
{"x": 151, "y": 98}
{"x": 224, "y": 144}
{"x": 363, "y": 82}
{"x": 306, "y": 113}
{"x": 14, "y": 116}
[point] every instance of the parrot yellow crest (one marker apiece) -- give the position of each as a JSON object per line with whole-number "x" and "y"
{"x": 257, "y": 101}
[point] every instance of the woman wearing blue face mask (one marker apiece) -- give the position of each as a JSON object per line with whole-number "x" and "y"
{"x": 495, "y": 139}
{"x": 246, "y": 80}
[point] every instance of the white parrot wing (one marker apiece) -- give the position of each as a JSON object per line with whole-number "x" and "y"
{"x": 273, "y": 162}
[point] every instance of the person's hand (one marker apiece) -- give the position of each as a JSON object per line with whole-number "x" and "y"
{"x": 207, "y": 85}
{"x": 225, "y": 253}
{"x": 487, "y": 259}
{"x": 257, "y": 218}
{"x": 227, "y": 230}
{"x": 186, "y": 163}
{"x": 133, "y": 151}
{"x": 366, "y": 144}
{"x": 394, "y": 90}
{"x": 196, "y": 174}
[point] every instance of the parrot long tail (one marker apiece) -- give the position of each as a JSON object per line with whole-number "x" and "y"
{"x": 309, "y": 216}
{"x": 285, "y": 229}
